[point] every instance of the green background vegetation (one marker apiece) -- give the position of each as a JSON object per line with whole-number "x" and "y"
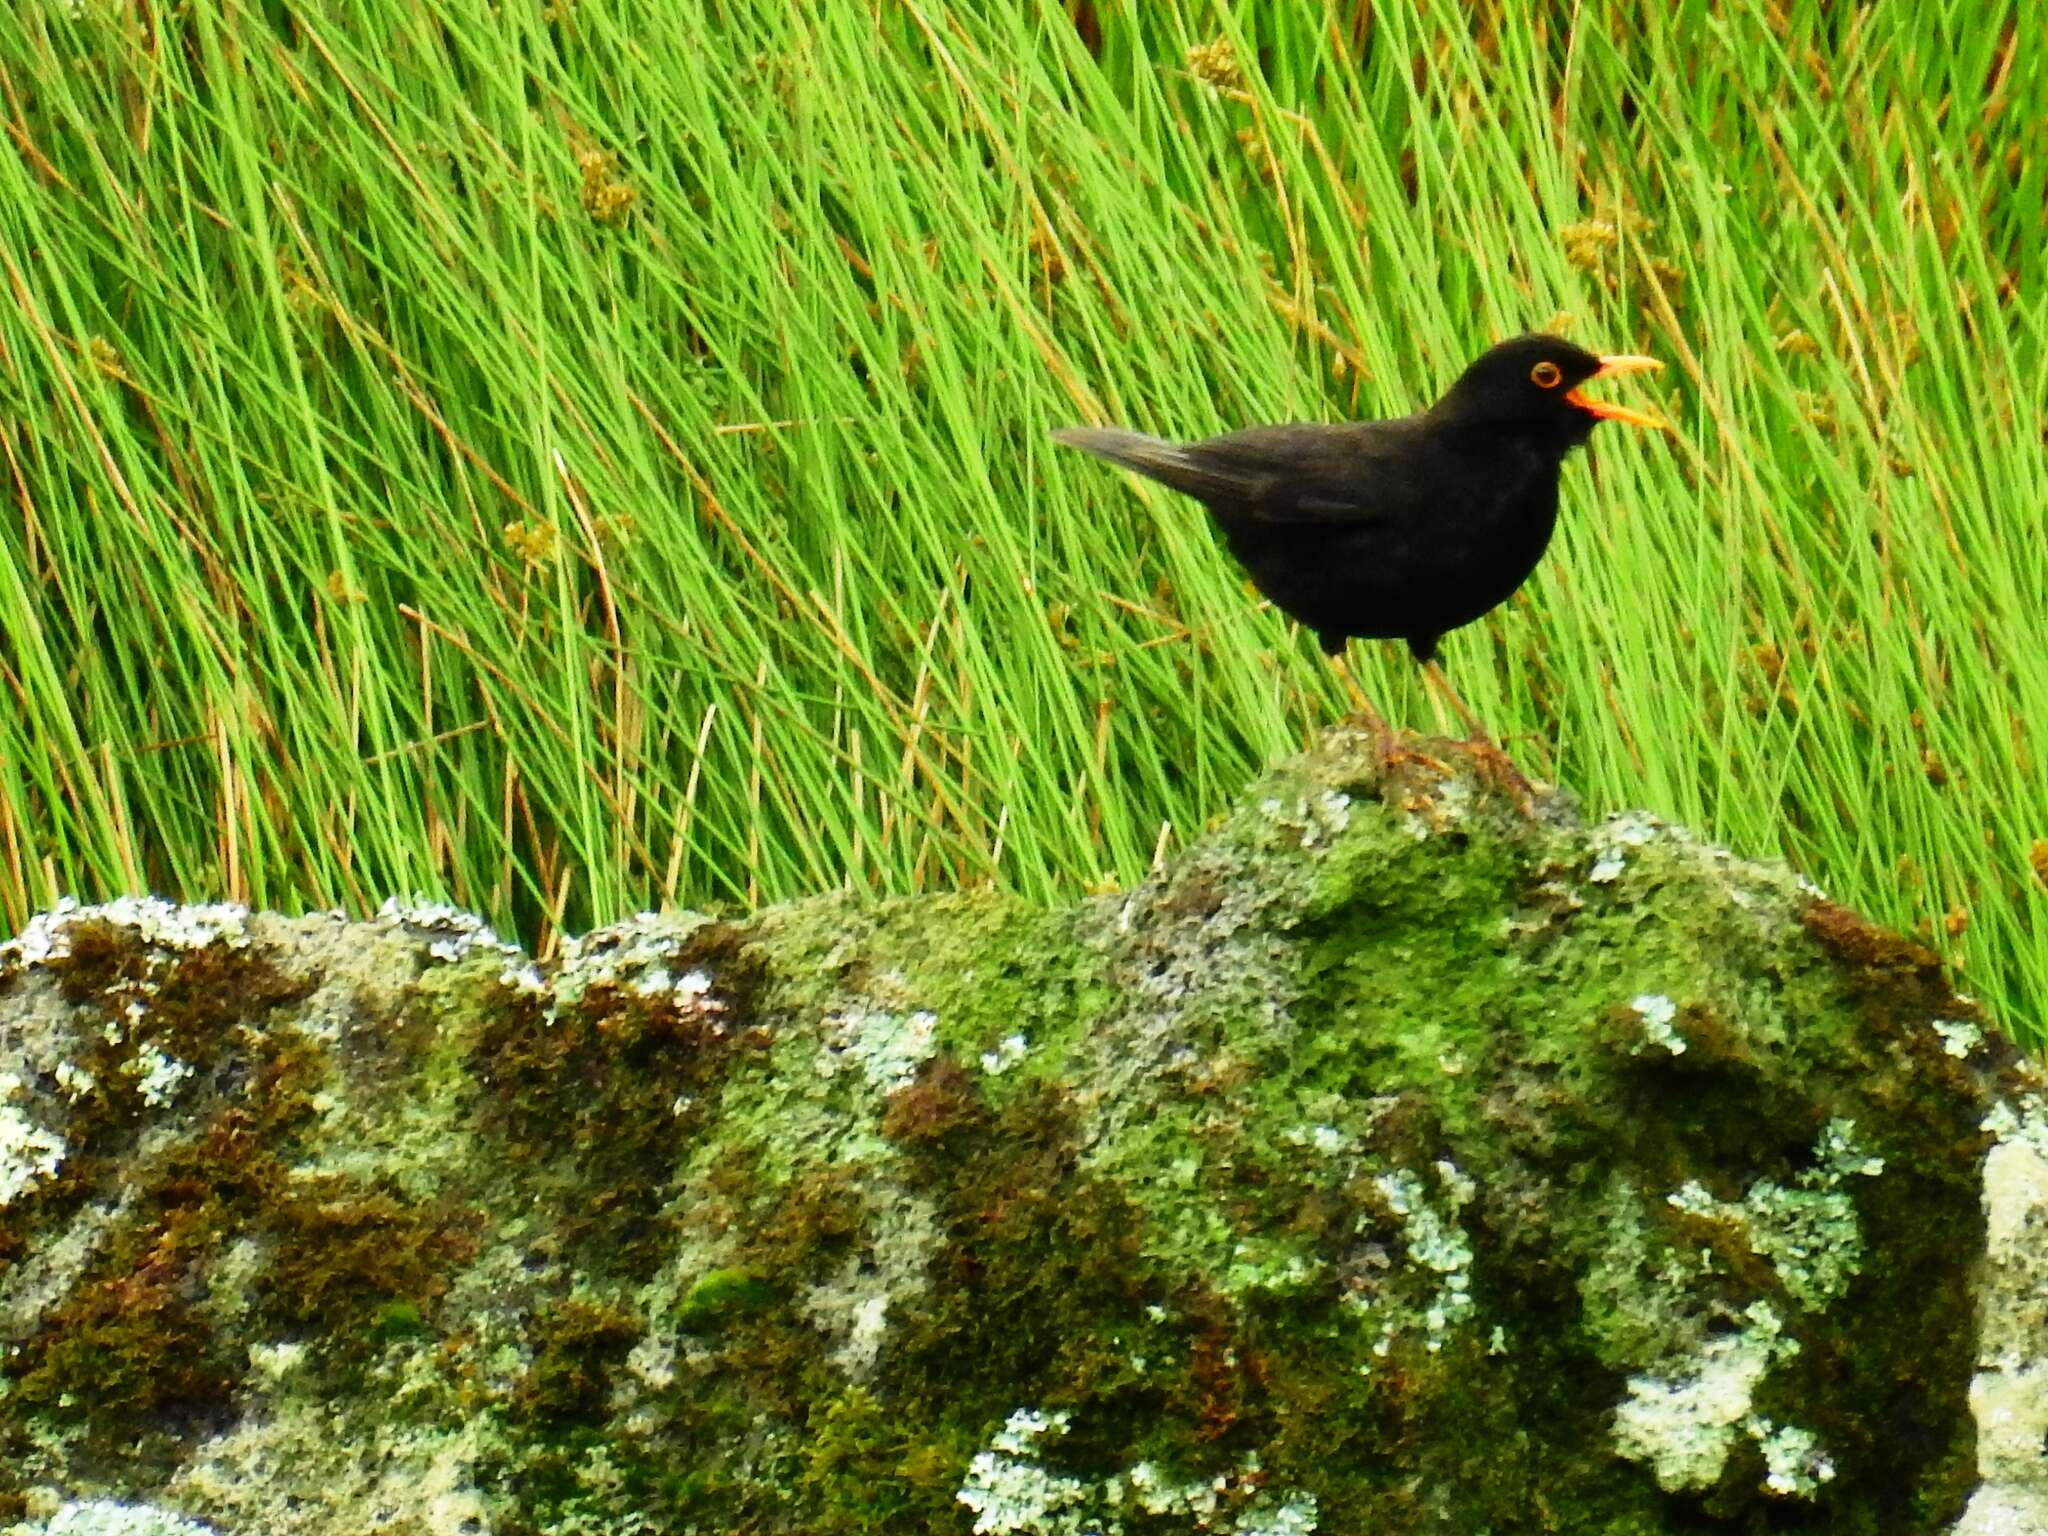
{"x": 578, "y": 458}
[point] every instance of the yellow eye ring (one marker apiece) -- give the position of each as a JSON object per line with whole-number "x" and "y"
{"x": 1547, "y": 374}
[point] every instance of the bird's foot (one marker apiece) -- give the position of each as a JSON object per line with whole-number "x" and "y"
{"x": 1393, "y": 753}
{"x": 1490, "y": 761}
{"x": 1395, "y": 748}
{"x": 1492, "y": 765}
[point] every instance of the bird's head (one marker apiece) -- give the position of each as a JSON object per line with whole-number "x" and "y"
{"x": 1533, "y": 386}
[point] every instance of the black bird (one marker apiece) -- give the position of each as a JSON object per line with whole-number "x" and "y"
{"x": 1402, "y": 529}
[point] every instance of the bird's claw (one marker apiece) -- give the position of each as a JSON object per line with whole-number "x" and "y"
{"x": 1492, "y": 765}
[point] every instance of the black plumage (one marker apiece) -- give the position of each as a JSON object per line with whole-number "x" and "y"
{"x": 1402, "y": 529}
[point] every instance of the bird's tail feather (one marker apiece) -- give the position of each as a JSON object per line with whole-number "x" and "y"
{"x": 1153, "y": 457}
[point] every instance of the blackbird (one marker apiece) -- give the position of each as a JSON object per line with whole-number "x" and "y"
{"x": 1402, "y": 529}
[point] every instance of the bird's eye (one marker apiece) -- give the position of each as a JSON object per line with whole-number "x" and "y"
{"x": 1547, "y": 374}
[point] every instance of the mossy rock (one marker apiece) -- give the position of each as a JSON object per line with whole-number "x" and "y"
{"x": 1405, "y": 1157}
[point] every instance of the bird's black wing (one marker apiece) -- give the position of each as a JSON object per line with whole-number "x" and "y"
{"x": 1302, "y": 472}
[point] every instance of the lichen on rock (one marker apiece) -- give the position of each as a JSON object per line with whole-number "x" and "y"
{"x": 1396, "y": 1159}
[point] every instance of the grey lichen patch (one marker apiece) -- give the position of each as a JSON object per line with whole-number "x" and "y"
{"x": 1005, "y": 1054}
{"x": 1683, "y": 1425}
{"x": 888, "y": 1271}
{"x": 109, "y": 1517}
{"x": 1793, "y": 1461}
{"x": 1685, "y": 1414}
{"x": 1233, "y": 1502}
{"x": 651, "y": 955}
{"x": 30, "y": 1154}
{"x": 1436, "y": 1247}
{"x": 1013, "y": 1491}
{"x": 450, "y": 934}
{"x": 397, "y": 1477}
{"x": 157, "y": 925}
{"x": 2009, "y": 1393}
{"x": 886, "y": 1048}
{"x": 156, "y": 1075}
{"x": 1959, "y": 1037}
{"x": 1809, "y": 1231}
{"x": 1322, "y": 817}
{"x": 1657, "y": 1013}
{"x": 1613, "y": 841}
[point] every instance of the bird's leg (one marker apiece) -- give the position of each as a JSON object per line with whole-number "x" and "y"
{"x": 1490, "y": 757}
{"x": 1362, "y": 711}
{"x": 1386, "y": 741}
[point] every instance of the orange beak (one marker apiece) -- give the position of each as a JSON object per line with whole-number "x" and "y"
{"x": 1609, "y": 366}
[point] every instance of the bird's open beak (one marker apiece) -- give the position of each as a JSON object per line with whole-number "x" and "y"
{"x": 1609, "y": 366}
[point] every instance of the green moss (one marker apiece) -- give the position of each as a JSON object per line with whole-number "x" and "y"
{"x": 132, "y": 1351}
{"x": 128, "y": 1356}
{"x": 576, "y": 1344}
{"x": 720, "y": 1297}
{"x": 1042, "y": 1293}
{"x": 867, "y": 1469}
{"x": 216, "y": 1232}
{"x": 341, "y": 1255}
{"x": 156, "y": 1028}
{"x": 186, "y": 1003}
{"x": 602, "y": 1091}
{"x": 397, "y": 1320}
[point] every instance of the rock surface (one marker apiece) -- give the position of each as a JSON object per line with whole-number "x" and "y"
{"x": 1394, "y": 1161}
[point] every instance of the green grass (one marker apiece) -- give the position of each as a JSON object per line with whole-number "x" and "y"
{"x": 572, "y": 460}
